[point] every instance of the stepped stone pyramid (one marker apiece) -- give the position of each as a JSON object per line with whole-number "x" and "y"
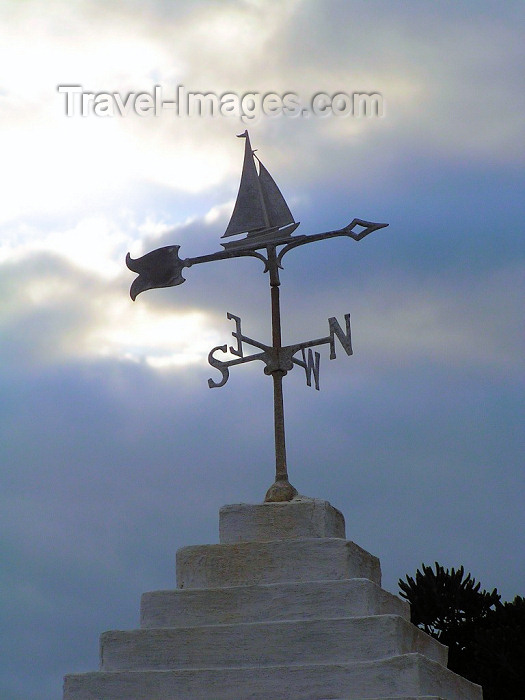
{"x": 283, "y": 608}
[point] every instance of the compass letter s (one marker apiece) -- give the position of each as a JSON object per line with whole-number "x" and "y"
{"x": 221, "y": 366}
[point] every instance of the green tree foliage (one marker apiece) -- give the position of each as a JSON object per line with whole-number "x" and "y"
{"x": 486, "y": 638}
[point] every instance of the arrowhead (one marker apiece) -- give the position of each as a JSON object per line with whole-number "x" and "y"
{"x": 367, "y": 227}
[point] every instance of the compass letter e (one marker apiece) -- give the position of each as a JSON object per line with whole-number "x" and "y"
{"x": 237, "y": 334}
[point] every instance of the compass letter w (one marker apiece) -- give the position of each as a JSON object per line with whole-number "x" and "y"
{"x": 344, "y": 339}
{"x": 310, "y": 365}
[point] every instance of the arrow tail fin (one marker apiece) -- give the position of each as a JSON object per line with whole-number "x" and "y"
{"x": 160, "y": 268}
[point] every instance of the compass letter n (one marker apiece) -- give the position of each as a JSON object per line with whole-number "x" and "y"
{"x": 344, "y": 339}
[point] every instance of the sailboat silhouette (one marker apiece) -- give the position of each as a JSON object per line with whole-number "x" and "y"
{"x": 260, "y": 210}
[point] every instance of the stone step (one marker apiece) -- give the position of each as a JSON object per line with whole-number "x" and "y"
{"x": 302, "y": 517}
{"x": 410, "y": 676}
{"x": 263, "y": 603}
{"x": 280, "y": 561}
{"x": 338, "y": 640}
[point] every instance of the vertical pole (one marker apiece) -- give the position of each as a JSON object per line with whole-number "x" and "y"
{"x": 281, "y": 473}
{"x": 281, "y": 490}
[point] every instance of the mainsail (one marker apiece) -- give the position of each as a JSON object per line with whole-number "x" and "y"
{"x": 260, "y": 209}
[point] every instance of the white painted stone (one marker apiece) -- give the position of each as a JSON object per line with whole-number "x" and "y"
{"x": 267, "y": 643}
{"x": 410, "y": 675}
{"x": 304, "y": 600}
{"x": 245, "y": 563}
{"x": 269, "y": 614}
{"x": 302, "y": 517}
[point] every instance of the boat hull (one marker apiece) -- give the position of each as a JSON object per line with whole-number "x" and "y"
{"x": 274, "y": 235}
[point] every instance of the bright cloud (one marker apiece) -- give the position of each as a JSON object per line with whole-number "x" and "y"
{"x": 55, "y": 312}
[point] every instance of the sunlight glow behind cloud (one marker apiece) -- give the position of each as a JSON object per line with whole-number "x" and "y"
{"x": 161, "y": 339}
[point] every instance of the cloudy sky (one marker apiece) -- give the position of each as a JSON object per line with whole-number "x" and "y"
{"x": 113, "y": 450}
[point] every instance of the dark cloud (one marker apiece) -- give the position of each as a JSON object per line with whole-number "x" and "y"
{"x": 109, "y": 484}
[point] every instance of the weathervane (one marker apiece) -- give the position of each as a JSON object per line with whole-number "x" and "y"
{"x": 263, "y": 217}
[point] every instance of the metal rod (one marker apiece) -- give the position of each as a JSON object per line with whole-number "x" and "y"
{"x": 282, "y": 490}
{"x": 281, "y": 473}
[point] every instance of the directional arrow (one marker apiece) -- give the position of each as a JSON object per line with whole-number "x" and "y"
{"x": 163, "y": 267}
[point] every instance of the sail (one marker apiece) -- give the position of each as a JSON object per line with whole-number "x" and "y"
{"x": 249, "y": 213}
{"x": 278, "y": 211}
{"x": 260, "y": 206}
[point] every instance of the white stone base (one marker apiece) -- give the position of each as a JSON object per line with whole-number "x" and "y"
{"x": 332, "y": 640}
{"x": 297, "y": 617}
{"x": 316, "y": 559}
{"x": 306, "y": 600}
{"x": 410, "y": 675}
{"x": 302, "y": 517}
